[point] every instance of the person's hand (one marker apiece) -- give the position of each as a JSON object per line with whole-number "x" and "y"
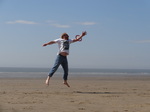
{"x": 84, "y": 33}
{"x": 44, "y": 45}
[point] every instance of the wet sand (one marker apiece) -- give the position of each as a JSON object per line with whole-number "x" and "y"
{"x": 86, "y": 94}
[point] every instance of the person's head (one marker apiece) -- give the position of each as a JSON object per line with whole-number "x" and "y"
{"x": 65, "y": 36}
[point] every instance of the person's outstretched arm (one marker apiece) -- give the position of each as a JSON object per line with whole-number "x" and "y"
{"x": 49, "y": 43}
{"x": 80, "y": 37}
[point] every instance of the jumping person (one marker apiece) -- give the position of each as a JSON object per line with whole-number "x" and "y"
{"x": 63, "y": 44}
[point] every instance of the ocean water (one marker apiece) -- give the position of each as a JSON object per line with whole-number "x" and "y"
{"x": 16, "y": 72}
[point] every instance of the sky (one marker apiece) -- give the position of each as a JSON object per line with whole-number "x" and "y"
{"x": 118, "y": 33}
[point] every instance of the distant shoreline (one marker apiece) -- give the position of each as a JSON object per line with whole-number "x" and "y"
{"x": 101, "y": 77}
{"x": 15, "y": 72}
{"x": 44, "y": 69}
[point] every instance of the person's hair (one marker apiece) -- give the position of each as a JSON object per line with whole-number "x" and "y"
{"x": 64, "y": 35}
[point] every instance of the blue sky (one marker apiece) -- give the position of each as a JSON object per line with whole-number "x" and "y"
{"x": 118, "y": 32}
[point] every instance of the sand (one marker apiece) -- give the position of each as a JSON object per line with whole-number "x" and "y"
{"x": 92, "y": 94}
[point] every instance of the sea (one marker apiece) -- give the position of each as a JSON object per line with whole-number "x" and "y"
{"x": 23, "y": 72}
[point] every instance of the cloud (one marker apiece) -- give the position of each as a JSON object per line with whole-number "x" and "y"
{"x": 56, "y": 24}
{"x": 87, "y": 23}
{"x": 60, "y": 26}
{"x": 142, "y": 41}
{"x": 21, "y": 22}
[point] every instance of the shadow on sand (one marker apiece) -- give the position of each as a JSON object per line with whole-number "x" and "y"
{"x": 98, "y": 92}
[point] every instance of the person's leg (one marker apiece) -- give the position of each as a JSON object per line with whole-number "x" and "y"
{"x": 65, "y": 68}
{"x": 64, "y": 65}
{"x": 53, "y": 70}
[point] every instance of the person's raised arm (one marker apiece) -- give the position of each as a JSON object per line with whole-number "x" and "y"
{"x": 49, "y": 43}
{"x": 80, "y": 37}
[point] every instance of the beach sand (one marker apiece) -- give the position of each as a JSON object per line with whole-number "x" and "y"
{"x": 86, "y": 94}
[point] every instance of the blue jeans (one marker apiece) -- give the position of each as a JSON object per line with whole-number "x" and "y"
{"x": 60, "y": 60}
